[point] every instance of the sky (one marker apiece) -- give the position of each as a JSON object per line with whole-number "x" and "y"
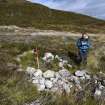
{"x": 95, "y": 8}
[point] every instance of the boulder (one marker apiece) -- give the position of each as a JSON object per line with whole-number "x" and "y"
{"x": 49, "y": 74}
{"x": 48, "y": 84}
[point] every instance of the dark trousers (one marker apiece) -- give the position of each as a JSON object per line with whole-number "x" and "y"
{"x": 82, "y": 56}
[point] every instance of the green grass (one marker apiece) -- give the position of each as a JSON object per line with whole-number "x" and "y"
{"x": 34, "y": 15}
{"x": 14, "y": 87}
{"x": 28, "y": 60}
{"x": 17, "y": 91}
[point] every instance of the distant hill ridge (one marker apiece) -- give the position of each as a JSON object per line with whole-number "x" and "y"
{"x": 26, "y": 14}
{"x": 12, "y": 1}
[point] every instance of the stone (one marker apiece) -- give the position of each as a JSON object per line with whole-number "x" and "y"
{"x": 57, "y": 75}
{"x": 88, "y": 77}
{"x": 64, "y": 73}
{"x": 61, "y": 60}
{"x": 66, "y": 88}
{"x": 61, "y": 65}
{"x": 82, "y": 78}
{"x": 38, "y": 80}
{"x": 35, "y": 81}
{"x": 38, "y": 73}
{"x": 78, "y": 87}
{"x": 97, "y": 93}
{"x": 49, "y": 74}
{"x": 57, "y": 57}
{"x": 74, "y": 79}
{"x": 48, "y": 57}
{"x": 40, "y": 87}
{"x": 42, "y": 81}
{"x": 48, "y": 84}
{"x": 65, "y": 62}
{"x": 30, "y": 71}
{"x": 80, "y": 73}
{"x": 60, "y": 83}
{"x": 100, "y": 86}
{"x": 54, "y": 80}
{"x": 70, "y": 66}
{"x": 70, "y": 85}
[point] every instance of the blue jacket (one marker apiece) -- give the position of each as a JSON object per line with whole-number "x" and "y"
{"x": 83, "y": 45}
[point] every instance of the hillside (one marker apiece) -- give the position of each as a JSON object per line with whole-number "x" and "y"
{"x": 25, "y": 14}
{"x": 41, "y": 66}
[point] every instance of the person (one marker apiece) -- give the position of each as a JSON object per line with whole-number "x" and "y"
{"x": 83, "y": 45}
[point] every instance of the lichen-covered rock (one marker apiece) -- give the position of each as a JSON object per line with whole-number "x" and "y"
{"x": 49, "y": 74}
